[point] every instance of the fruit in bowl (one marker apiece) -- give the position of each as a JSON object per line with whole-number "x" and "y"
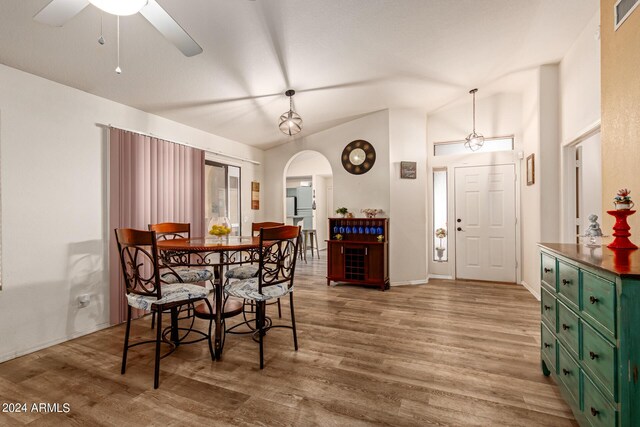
{"x": 219, "y": 226}
{"x": 219, "y": 230}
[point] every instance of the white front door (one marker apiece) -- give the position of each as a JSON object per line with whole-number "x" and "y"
{"x": 485, "y": 224}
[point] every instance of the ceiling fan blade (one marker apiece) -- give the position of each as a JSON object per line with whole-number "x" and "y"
{"x": 170, "y": 29}
{"x": 58, "y": 12}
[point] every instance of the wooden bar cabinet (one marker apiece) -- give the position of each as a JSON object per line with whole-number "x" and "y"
{"x": 358, "y": 251}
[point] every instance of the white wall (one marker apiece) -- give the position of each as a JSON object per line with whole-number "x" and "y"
{"x": 580, "y": 116}
{"x": 408, "y": 197}
{"x": 54, "y": 205}
{"x": 580, "y": 83}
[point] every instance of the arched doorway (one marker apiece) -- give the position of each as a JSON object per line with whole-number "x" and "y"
{"x": 308, "y": 193}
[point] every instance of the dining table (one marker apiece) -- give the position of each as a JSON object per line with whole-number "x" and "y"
{"x": 215, "y": 252}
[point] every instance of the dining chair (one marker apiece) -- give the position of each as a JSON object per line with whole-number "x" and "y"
{"x": 276, "y": 268}
{"x": 146, "y": 290}
{"x": 251, "y": 270}
{"x": 178, "y": 230}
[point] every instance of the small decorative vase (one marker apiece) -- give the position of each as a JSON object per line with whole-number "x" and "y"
{"x": 624, "y": 205}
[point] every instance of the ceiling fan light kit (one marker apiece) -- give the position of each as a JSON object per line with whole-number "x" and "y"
{"x": 58, "y": 12}
{"x": 290, "y": 123}
{"x": 475, "y": 140}
{"x": 120, "y": 7}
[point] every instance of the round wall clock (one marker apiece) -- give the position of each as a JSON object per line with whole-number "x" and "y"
{"x": 358, "y": 157}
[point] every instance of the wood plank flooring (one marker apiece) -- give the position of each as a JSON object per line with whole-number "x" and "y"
{"x": 446, "y": 353}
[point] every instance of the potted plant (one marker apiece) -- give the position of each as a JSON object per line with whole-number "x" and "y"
{"x": 441, "y": 233}
{"x": 623, "y": 200}
{"x": 342, "y": 212}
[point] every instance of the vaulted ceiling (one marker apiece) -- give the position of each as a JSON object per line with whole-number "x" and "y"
{"x": 344, "y": 58}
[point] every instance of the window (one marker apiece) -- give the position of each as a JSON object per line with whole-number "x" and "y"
{"x": 502, "y": 143}
{"x": 440, "y": 230}
{"x": 222, "y": 194}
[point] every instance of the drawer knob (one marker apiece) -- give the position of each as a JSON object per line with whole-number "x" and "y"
{"x": 594, "y": 411}
{"x": 593, "y": 299}
{"x": 547, "y": 307}
{"x": 566, "y": 371}
{"x": 547, "y": 345}
{"x": 565, "y": 281}
{"x": 593, "y": 355}
{"x": 547, "y": 270}
{"x": 565, "y": 326}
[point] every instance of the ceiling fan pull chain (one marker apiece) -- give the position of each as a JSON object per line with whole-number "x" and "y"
{"x": 101, "y": 38}
{"x": 118, "y": 70}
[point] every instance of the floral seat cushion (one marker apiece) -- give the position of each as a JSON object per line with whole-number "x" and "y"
{"x": 187, "y": 275}
{"x": 170, "y": 293}
{"x": 248, "y": 289}
{"x": 243, "y": 272}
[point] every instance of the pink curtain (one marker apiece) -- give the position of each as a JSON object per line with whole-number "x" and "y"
{"x": 151, "y": 181}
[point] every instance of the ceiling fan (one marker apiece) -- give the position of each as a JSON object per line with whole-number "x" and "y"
{"x": 57, "y": 12}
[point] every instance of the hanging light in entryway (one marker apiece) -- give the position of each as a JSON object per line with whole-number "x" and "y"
{"x": 475, "y": 140}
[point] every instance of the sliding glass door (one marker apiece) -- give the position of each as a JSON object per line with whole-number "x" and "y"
{"x": 222, "y": 194}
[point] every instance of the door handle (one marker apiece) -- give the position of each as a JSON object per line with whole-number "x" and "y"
{"x": 459, "y": 228}
{"x": 458, "y": 220}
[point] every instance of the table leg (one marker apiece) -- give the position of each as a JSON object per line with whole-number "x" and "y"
{"x": 175, "y": 337}
{"x": 218, "y": 319}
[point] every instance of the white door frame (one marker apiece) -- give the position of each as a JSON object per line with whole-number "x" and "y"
{"x": 484, "y": 161}
{"x": 568, "y": 181}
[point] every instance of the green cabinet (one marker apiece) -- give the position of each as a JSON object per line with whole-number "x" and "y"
{"x": 590, "y": 331}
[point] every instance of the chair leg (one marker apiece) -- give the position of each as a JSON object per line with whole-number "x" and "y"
{"x": 260, "y": 308}
{"x": 126, "y": 341}
{"x": 279, "y": 309}
{"x": 156, "y": 375}
{"x": 293, "y": 322}
{"x": 153, "y": 319}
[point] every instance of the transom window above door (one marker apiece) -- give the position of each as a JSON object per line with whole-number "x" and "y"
{"x": 499, "y": 143}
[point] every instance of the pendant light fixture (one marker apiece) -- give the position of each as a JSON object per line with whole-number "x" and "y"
{"x": 475, "y": 140}
{"x": 290, "y": 123}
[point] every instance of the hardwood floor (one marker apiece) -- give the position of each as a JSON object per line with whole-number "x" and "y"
{"x": 446, "y": 353}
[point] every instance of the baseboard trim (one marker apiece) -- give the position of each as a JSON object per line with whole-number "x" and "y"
{"x": 411, "y": 282}
{"x": 12, "y": 355}
{"x": 530, "y": 289}
{"x": 440, "y": 276}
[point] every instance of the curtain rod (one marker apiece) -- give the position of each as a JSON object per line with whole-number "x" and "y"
{"x": 219, "y": 153}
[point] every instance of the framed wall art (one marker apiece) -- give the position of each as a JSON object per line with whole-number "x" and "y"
{"x": 531, "y": 170}
{"x": 408, "y": 170}
{"x": 255, "y": 195}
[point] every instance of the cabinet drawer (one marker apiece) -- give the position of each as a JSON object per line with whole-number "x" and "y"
{"x": 598, "y": 410}
{"x": 548, "y": 270}
{"x": 599, "y": 302}
{"x": 569, "y": 374}
{"x": 548, "y": 307}
{"x": 568, "y": 331}
{"x": 548, "y": 346}
{"x": 568, "y": 282}
{"x": 599, "y": 358}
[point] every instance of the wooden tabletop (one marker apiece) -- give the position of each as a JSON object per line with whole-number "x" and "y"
{"x": 209, "y": 244}
{"x": 622, "y": 262}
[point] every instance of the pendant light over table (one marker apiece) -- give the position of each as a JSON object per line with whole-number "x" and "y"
{"x": 290, "y": 123}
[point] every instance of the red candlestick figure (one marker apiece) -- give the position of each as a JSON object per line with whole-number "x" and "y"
{"x": 621, "y": 230}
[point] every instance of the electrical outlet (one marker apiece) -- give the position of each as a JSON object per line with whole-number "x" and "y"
{"x": 84, "y": 300}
